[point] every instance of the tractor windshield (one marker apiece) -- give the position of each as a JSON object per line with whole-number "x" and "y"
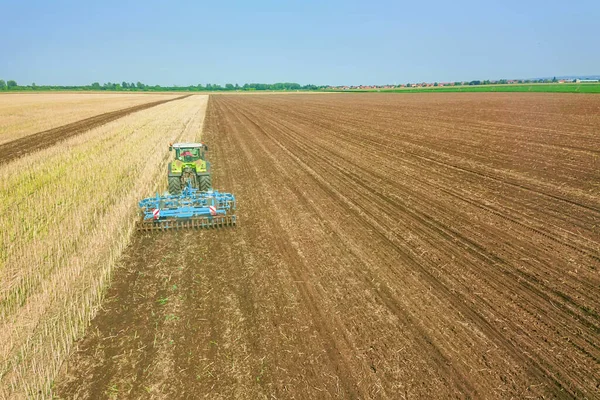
{"x": 187, "y": 155}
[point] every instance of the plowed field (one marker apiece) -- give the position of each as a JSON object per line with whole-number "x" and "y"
{"x": 388, "y": 246}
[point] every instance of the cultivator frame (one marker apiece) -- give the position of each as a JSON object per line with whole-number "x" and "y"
{"x": 191, "y": 209}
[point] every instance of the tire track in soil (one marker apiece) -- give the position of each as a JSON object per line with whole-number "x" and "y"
{"x": 351, "y": 276}
{"x": 281, "y": 244}
{"x": 42, "y": 140}
{"x": 480, "y": 251}
{"x": 455, "y": 300}
{"x": 384, "y": 203}
{"x": 384, "y": 295}
{"x": 390, "y": 303}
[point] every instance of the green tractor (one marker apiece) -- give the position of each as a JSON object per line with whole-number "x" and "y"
{"x": 189, "y": 167}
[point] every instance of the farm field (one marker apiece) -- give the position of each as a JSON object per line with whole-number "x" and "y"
{"x": 422, "y": 246}
{"x": 25, "y": 114}
{"x": 20, "y": 147}
{"x": 68, "y": 212}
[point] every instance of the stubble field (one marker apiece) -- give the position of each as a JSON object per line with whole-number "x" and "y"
{"x": 67, "y": 213}
{"x": 422, "y": 246}
{"x": 25, "y": 114}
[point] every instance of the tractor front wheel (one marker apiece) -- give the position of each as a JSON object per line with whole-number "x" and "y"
{"x": 174, "y": 185}
{"x": 205, "y": 183}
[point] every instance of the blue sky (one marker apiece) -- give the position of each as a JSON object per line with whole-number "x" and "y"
{"x": 319, "y": 42}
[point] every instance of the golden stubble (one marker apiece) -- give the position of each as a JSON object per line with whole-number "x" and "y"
{"x": 25, "y": 114}
{"x": 68, "y": 212}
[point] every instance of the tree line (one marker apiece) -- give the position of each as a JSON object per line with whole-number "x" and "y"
{"x": 139, "y": 86}
{"x": 7, "y": 85}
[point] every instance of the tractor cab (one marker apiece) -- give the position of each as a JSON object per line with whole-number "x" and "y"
{"x": 189, "y": 152}
{"x": 189, "y": 168}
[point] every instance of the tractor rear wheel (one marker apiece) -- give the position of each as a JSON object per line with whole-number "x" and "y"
{"x": 205, "y": 183}
{"x": 174, "y": 185}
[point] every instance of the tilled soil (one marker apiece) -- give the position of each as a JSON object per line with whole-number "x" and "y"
{"x": 42, "y": 140}
{"x": 388, "y": 246}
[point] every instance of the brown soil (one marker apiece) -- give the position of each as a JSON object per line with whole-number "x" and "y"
{"x": 388, "y": 246}
{"x": 42, "y": 140}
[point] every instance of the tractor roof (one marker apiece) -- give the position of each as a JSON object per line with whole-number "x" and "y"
{"x": 187, "y": 145}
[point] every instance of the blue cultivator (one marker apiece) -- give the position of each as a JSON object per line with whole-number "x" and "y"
{"x": 190, "y": 209}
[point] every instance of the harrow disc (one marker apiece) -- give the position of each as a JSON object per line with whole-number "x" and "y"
{"x": 227, "y": 221}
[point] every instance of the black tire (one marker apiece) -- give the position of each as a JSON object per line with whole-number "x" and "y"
{"x": 205, "y": 183}
{"x": 174, "y": 185}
